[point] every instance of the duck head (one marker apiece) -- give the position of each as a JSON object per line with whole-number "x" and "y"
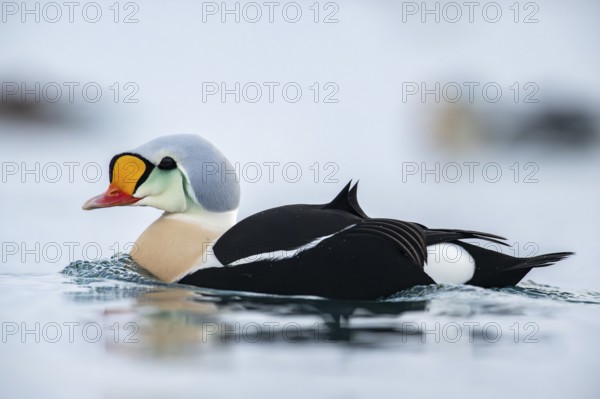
{"x": 178, "y": 174}
{"x": 193, "y": 183}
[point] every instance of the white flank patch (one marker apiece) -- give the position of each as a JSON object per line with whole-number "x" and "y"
{"x": 449, "y": 264}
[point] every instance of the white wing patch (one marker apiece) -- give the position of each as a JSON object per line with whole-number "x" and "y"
{"x": 284, "y": 254}
{"x": 449, "y": 264}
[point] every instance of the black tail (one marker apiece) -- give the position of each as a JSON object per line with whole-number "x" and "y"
{"x": 541, "y": 260}
{"x": 495, "y": 269}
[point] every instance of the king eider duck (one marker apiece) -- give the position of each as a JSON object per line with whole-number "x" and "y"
{"x": 332, "y": 250}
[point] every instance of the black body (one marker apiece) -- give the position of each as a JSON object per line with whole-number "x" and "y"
{"x": 364, "y": 258}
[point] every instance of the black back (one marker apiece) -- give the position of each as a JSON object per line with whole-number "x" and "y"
{"x": 288, "y": 227}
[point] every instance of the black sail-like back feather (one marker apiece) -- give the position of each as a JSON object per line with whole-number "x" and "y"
{"x": 347, "y": 201}
{"x": 353, "y": 200}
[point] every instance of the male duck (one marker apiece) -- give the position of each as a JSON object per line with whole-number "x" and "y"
{"x": 333, "y": 250}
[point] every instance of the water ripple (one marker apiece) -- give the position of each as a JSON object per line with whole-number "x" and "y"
{"x": 124, "y": 269}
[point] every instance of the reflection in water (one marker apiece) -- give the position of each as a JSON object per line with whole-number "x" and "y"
{"x": 175, "y": 320}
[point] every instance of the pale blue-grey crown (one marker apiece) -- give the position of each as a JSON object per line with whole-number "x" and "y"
{"x": 210, "y": 173}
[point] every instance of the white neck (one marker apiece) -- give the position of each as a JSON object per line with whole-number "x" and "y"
{"x": 177, "y": 244}
{"x": 208, "y": 220}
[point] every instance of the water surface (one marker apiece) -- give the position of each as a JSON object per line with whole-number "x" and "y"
{"x": 132, "y": 336}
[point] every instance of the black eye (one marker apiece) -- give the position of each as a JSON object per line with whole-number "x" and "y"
{"x": 167, "y": 163}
